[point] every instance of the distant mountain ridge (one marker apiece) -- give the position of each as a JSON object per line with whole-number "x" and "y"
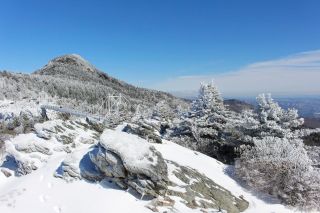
{"x": 76, "y": 82}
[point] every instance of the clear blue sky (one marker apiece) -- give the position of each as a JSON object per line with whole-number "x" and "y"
{"x": 144, "y": 41}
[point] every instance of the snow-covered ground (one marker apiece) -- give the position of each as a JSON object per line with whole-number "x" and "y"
{"x": 15, "y": 107}
{"x": 41, "y": 191}
{"x": 217, "y": 171}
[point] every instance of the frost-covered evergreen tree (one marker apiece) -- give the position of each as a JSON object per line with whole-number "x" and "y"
{"x": 281, "y": 167}
{"x": 269, "y": 111}
{"x": 269, "y": 119}
{"x": 207, "y": 126}
{"x": 209, "y": 100}
{"x": 277, "y": 162}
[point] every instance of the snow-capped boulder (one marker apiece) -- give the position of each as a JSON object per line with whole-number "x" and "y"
{"x": 47, "y": 129}
{"x": 29, "y": 146}
{"x": 29, "y": 143}
{"x": 69, "y": 168}
{"x": 137, "y": 155}
{"x": 21, "y": 164}
{"x": 18, "y": 122}
{"x": 24, "y": 166}
{"x": 131, "y": 162}
{"x": 41, "y": 133}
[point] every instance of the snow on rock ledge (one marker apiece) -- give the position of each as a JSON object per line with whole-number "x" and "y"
{"x": 132, "y": 162}
{"x": 137, "y": 154}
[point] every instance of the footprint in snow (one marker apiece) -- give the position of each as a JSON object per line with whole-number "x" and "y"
{"x": 43, "y": 198}
{"x": 49, "y": 185}
{"x": 57, "y": 209}
{"x": 10, "y": 198}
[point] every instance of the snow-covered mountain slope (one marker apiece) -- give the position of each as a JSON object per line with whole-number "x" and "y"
{"x": 57, "y": 151}
{"x": 74, "y": 82}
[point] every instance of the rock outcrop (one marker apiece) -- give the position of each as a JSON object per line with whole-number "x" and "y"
{"x": 131, "y": 162}
{"x": 2, "y": 152}
{"x": 198, "y": 191}
{"x": 144, "y": 131}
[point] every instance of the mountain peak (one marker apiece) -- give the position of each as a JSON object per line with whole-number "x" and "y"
{"x": 67, "y": 63}
{"x": 72, "y": 59}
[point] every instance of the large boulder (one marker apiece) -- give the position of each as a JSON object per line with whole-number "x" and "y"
{"x": 131, "y": 162}
{"x": 18, "y": 162}
{"x": 25, "y": 166}
{"x": 69, "y": 168}
{"x": 30, "y": 146}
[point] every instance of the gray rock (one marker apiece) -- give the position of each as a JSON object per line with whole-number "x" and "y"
{"x": 147, "y": 178}
{"x": 108, "y": 163}
{"x": 34, "y": 147}
{"x": 201, "y": 192}
{"x": 43, "y": 134}
{"x": 89, "y": 171}
{"x": 21, "y": 166}
{"x": 111, "y": 166}
{"x": 144, "y": 131}
{"x": 68, "y": 171}
{"x": 24, "y": 167}
{"x": 2, "y": 152}
{"x": 6, "y": 172}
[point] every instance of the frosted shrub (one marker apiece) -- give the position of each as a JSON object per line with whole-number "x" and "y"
{"x": 281, "y": 167}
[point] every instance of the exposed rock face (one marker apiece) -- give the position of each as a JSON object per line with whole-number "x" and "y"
{"x": 198, "y": 191}
{"x": 144, "y": 131}
{"x": 30, "y": 146}
{"x": 131, "y": 162}
{"x": 11, "y": 158}
{"x": 2, "y": 152}
{"x": 24, "y": 167}
{"x": 69, "y": 168}
{"x": 14, "y": 124}
{"x": 108, "y": 163}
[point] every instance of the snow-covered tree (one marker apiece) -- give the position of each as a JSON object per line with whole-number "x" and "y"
{"x": 162, "y": 111}
{"x": 281, "y": 167}
{"x": 276, "y": 160}
{"x": 270, "y": 111}
{"x": 209, "y": 99}
{"x": 269, "y": 119}
{"x": 208, "y": 125}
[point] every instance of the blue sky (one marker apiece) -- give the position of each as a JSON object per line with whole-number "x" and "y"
{"x": 150, "y": 42}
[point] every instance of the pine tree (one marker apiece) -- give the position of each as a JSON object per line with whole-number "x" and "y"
{"x": 209, "y": 100}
